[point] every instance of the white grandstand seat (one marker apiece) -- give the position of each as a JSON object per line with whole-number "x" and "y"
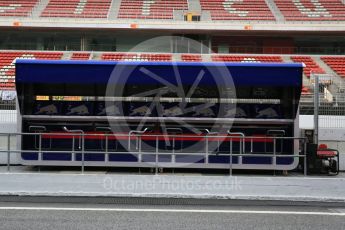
{"x": 191, "y": 57}
{"x": 7, "y": 67}
{"x": 312, "y": 10}
{"x": 17, "y": 7}
{"x": 238, "y": 58}
{"x": 80, "y": 56}
{"x": 151, "y": 9}
{"x": 77, "y": 8}
{"x": 237, "y": 9}
{"x": 136, "y": 57}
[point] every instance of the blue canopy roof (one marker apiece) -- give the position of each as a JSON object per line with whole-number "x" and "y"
{"x": 102, "y": 72}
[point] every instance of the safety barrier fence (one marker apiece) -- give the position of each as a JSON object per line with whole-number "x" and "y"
{"x": 133, "y": 141}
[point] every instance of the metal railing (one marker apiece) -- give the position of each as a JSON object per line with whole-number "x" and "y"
{"x": 156, "y": 150}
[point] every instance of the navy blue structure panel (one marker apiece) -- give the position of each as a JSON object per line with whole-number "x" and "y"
{"x": 57, "y": 156}
{"x": 285, "y": 160}
{"x": 91, "y": 157}
{"x": 256, "y": 160}
{"x": 151, "y": 158}
{"x": 30, "y": 156}
{"x": 216, "y": 159}
{"x": 123, "y": 157}
{"x": 195, "y": 159}
{"x": 100, "y": 72}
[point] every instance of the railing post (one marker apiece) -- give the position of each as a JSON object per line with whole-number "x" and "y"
{"x": 82, "y": 153}
{"x": 274, "y": 151}
{"x": 305, "y": 157}
{"x": 106, "y": 148}
{"x": 40, "y": 147}
{"x": 230, "y": 160}
{"x": 8, "y": 152}
{"x": 73, "y": 153}
{"x": 156, "y": 161}
{"x": 173, "y": 150}
{"x": 274, "y": 156}
{"x": 206, "y": 150}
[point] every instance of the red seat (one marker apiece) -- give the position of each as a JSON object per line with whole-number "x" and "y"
{"x": 77, "y": 8}
{"x": 7, "y": 59}
{"x": 238, "y": 10}
{"x": 136, "y": 57}
{"x": 20, "y": 8}
{"x": 316, "y": 10}
{"x": 155, "y": 9}
{"x": 311, "y": 65}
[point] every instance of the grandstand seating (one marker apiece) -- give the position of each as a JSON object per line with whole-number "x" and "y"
{"x": 311, "y": 65}
{"x": 336, "y": 63}
{"x": 191, "y": 57}
{"x": 77, "y": 8}
{"x": 17, "y": 7}
{"x": 7, "y": 60}
{"x": 136, "y": 57}
{"x": 237, "y": 9}
{"x": 150, "y": 9}
{"x": 80, "y": 56}
{"x": 237, "y": 58}
{"x": 312, "y": 10}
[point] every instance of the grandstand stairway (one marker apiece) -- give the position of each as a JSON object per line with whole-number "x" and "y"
{"x": 38, "y": 9}
{"x": 66, "y": 56}
{"x": 324, "y": 66}
{"x": 275, "y": 10}
{"x": 114, "y": 9}
{"x": 194, "y": 5}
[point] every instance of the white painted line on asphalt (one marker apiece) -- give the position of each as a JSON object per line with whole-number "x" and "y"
{"x": 176, "y": 177}
{"x": 272, "y": 212}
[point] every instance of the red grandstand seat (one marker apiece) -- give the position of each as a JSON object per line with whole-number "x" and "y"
{"x": 77, "y": 8}
{"x": 191, "y": 57}
{"x": 7, "y": 60}
{"x": 154, "y": 9}
{"x": 312, "y": 10}
{"x": 80, "y": 56}
{"x": 17, "y": 7}
{"x": 136, "y": 57}
{"x": 311, "y": 65}
{"x": 238, "y": 9}
{"x": 245, "y": 58}
{"x": 336, "y": 63}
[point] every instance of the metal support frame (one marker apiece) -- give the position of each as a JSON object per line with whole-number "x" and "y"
{"x": 107, "y": 131}
{"x": 229, "y": 138}
{"x": 81, "y": 145}
{"x": 8, "y": 152}
{"x": 242, "y": 137}
{"x": 137, "y": 134}
{"x": 316, "y": 109}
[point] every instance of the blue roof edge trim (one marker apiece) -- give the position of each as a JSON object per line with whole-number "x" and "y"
{"x": 100, "y": 62}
